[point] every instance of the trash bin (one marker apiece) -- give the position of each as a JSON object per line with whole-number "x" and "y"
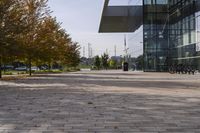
{"x": 125, "y": 66}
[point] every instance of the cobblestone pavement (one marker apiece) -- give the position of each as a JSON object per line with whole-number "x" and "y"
{"x": 101, "y": 102}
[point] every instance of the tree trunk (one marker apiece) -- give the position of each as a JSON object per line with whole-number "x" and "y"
{"x": 49, "y": 66}
{"x": 30, "y": 72}
{"x": 0, "y": 66}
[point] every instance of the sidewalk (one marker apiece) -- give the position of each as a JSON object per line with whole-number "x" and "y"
{"x": 101, "y": 102}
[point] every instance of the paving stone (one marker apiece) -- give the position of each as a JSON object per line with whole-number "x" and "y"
{"x": 98, "y": 102}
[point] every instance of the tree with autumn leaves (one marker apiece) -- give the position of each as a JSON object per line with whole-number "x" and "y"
{"x": 28, "y": 32}
{"x": 11, "y": 24}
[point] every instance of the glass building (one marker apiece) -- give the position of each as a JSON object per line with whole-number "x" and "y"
{"x": 171, "y": 30}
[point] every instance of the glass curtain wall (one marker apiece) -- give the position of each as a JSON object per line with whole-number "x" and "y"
{"x": 155, "y": 32}
{"x": 171, "y": 34}
{"x": 184, "y": 28}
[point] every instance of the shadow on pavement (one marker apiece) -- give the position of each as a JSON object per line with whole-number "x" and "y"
{"x": 118, "y": 81}
{"x": 62, "y": 103}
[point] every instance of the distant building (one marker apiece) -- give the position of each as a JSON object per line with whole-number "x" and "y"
{"x": 116, "y": 58}
{"x": 86, "y": 61}
{"x": 171, "y": 30}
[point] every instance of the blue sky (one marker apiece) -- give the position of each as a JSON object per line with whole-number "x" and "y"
{"x": 81, "y": 19}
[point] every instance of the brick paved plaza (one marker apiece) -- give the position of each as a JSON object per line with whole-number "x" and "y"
{"x": 101, "y": 102}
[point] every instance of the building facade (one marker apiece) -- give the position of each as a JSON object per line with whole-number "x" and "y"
{"x": 171, "y": 31}
{"x": 184, "y": 32}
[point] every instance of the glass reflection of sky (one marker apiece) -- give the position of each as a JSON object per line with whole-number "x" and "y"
{"x": 125, "y": 2}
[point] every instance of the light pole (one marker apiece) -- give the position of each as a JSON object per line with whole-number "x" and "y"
{"x": 125, "y": 64}
{"x": 89, "y": 50}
